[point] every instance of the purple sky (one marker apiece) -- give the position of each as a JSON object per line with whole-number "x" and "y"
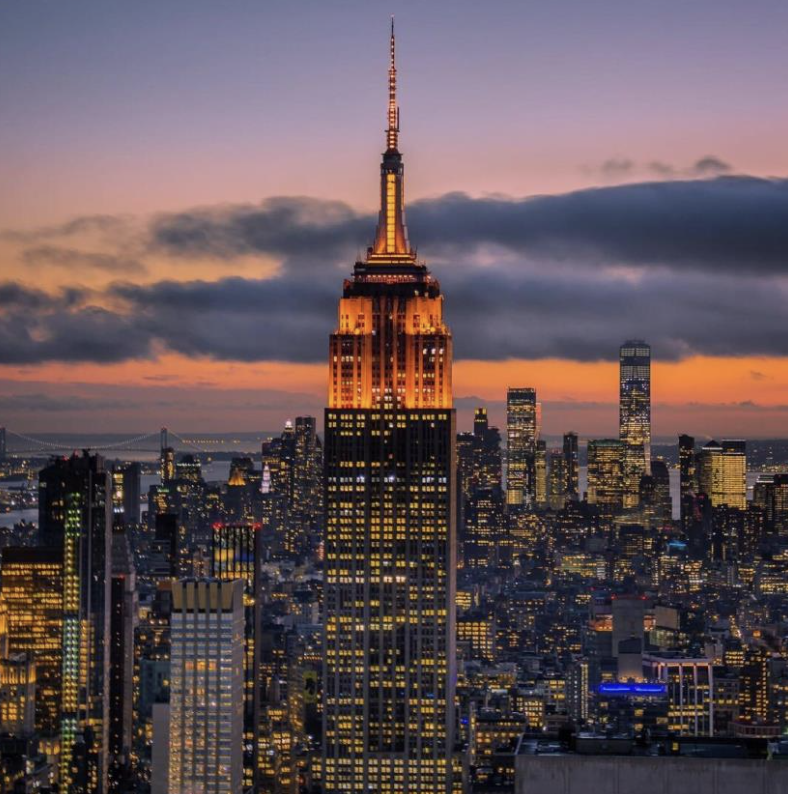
{"x": 142, "y": 112}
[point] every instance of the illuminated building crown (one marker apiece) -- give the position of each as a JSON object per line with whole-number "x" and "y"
{"x": 391, "y": 239}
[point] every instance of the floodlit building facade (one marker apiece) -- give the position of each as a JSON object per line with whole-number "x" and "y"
{"x": 390, "y": 549}
{"x": 206, "y": 715}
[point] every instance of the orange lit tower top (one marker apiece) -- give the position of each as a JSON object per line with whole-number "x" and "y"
{"x": 391, "y": 239}
{"x": 390, "y": 538}
{"x": 391, "y": 349}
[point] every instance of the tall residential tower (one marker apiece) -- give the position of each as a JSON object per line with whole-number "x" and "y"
{"x": 389, "y": 669}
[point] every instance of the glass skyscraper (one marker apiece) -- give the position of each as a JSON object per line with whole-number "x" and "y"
{"x": 521, "y": 436}
{"x": 635, "y": 415}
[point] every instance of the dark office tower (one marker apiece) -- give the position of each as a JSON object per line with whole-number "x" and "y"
{"x": 3, "y": 448}
{"x": 635, "y": 415}
{"x": 32, "y": 592}
{"x": 480, "y": 422}
{"x": 484, "y": 528}
{"x": 126, "y": 492}
{"x": 271, "y": 516}
{"x": 754, "y": 687}
{"x": 571, "y": 465}
{"x": 294, "y": 463}
{"x": 236, "y": 556}
{"x": 188, "y": 469}
{"x": 241, "y": 490}
{"x": 780, "y": 503}
{"x": 763, "y": 497}
{"x": 521, "y": 433}
{"x": 487, "y": 462}
{"x": 464, "y": 446}
{"x": 606, "y": 474}
{"x": 166, "y": 458}
{"x": 728, "y": 532}
{"x": 164, "y": 555}
{"x": 628, "y": 621}
{"x": 661, "y": 478}
{"x": 122, "y": 623}
{"x": 75, "y": 516}
{"x": 687, "y": 478}
{"x": 389, "y": 592}
{"x": 754, "y": 532}
{"x": 556, "y": 481}
{"x": 278, "y": 454}
{"x": 131, "y": 492}
{"x": 307, "y": 471}
{"x": 540, "y": 474}
{"x": 698, "y": 526}
{"x": 688, "y": 484}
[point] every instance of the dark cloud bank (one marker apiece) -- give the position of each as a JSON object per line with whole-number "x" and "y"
{"x": 695, "y": 266}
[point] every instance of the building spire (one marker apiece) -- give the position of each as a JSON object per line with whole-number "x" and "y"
{"x": 391, "y": 238}
{"x": 393, "y": 128}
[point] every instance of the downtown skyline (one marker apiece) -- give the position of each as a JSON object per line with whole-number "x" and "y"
{"x": 216, "y": 317}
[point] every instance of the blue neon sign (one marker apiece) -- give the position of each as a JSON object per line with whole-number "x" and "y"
{"x": 619, "y": 688}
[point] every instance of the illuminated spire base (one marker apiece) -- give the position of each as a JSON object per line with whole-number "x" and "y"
{"x": 391, "y": 239}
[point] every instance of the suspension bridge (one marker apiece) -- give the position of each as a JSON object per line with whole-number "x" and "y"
{"x": 16, "y": 444}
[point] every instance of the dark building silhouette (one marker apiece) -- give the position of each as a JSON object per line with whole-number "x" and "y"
{"x": 75, "y": 517}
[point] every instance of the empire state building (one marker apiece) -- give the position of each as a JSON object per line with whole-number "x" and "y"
{"x": 390, "y": 544}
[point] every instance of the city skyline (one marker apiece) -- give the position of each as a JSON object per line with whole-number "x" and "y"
{"x": 384, "y": 600}
{"x": 215, "y": 317}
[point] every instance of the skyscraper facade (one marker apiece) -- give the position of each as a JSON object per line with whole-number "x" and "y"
{"x": 294, "y": 462}
{"x": 75, "y": 516}
{"x": 126, "y": 492}
{"x": 486, "y": 456}
{"x": 236, "y": 555}
{"x": 17, "y": 695}
{"x": 722, "y": 473}
{"x": 206, "y": 687}
{"x": 571, "y": 464}
{"x": 123, "y": 622}
{"x": 32, "y": 593}
{"x": 556, "y": 481}
{"x": 521, "y": 435}
{"x": 635, "y": 415}
{"x": 389, "y": 592}
{"x": 687, "y": 480}
{"x": 606, "y": 474}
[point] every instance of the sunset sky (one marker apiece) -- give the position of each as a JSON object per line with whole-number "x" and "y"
{"x": 185, "y": 184}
